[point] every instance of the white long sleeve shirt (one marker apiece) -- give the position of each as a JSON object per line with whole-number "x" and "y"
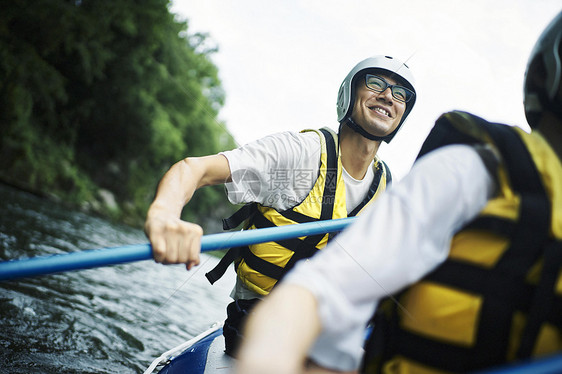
{"x": 402, "y": 237}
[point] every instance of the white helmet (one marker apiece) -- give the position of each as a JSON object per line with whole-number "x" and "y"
{"x": 544, "y": 74}
{"x": 345, "y": 94}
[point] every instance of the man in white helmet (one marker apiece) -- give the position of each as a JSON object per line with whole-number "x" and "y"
{"x": 461, "y": 262}
{"x": 287, "y": 178}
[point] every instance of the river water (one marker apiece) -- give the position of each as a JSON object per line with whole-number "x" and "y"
{"x": 107, "y": 320}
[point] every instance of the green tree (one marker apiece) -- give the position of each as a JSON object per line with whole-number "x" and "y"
{"x": 105, "y": 94}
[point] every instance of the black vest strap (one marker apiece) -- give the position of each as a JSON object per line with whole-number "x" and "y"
{"x": 261, "y": 265}
{"x": 306, "y": 248}
{"x": 244, "y": 213}
{"x": 546, "y": 303}
{"x": 247, "y": 211}
{"x": 330, "y": 184}
{"x": 218, "y": 271}
{"x": 388, "y": 174}
{"x": 372, "y": 189}
{"x": 494, "y": 224}
{"x": 302, "y": 248}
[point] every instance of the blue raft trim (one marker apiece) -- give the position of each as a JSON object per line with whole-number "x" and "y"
{"x": 194, "y": 357}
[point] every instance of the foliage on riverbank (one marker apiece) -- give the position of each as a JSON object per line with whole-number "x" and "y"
{"x": 99, "y": 98}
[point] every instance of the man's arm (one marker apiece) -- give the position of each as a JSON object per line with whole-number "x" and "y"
{"x": 176, "y": 241}
{"x": 290, "y": 341}
{"x": 173, "y": 240}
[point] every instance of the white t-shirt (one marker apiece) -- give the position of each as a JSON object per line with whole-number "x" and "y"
{"x": 279, "y": 171}
{"x": 394, "y": 243}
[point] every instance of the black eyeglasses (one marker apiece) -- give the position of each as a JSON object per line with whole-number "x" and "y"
{"x": 378, "y": 84}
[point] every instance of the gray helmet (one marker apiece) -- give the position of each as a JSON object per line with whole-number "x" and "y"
{"x": 544, "y": 73}
{"x": 345, "y": 94}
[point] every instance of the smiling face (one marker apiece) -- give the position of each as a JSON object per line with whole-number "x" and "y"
{"x": 378, "y": 113}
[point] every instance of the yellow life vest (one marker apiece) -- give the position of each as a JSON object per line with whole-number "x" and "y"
{"x": 498, "y": 296}
{"x": 260, "y": 266}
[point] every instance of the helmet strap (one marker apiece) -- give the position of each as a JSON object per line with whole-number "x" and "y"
{"x": 361, "y": 131}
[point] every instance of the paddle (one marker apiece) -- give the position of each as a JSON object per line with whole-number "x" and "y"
{"x": 130, "y": 253}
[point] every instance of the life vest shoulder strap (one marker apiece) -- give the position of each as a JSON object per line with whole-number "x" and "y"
{"x": 381, "y": 169}
{"x": 329, "y": 140}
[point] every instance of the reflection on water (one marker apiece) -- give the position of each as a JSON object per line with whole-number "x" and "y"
{"x": 107, "y": 320}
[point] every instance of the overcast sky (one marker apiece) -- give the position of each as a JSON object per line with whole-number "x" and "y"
{"x": 281, "y": 62}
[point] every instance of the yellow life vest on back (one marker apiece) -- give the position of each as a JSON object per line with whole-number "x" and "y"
{"x": 498, "y": 296}
{"x": 260, "y": 266}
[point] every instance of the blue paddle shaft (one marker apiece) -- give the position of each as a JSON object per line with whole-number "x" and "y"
{"x": 118, "y": 255}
